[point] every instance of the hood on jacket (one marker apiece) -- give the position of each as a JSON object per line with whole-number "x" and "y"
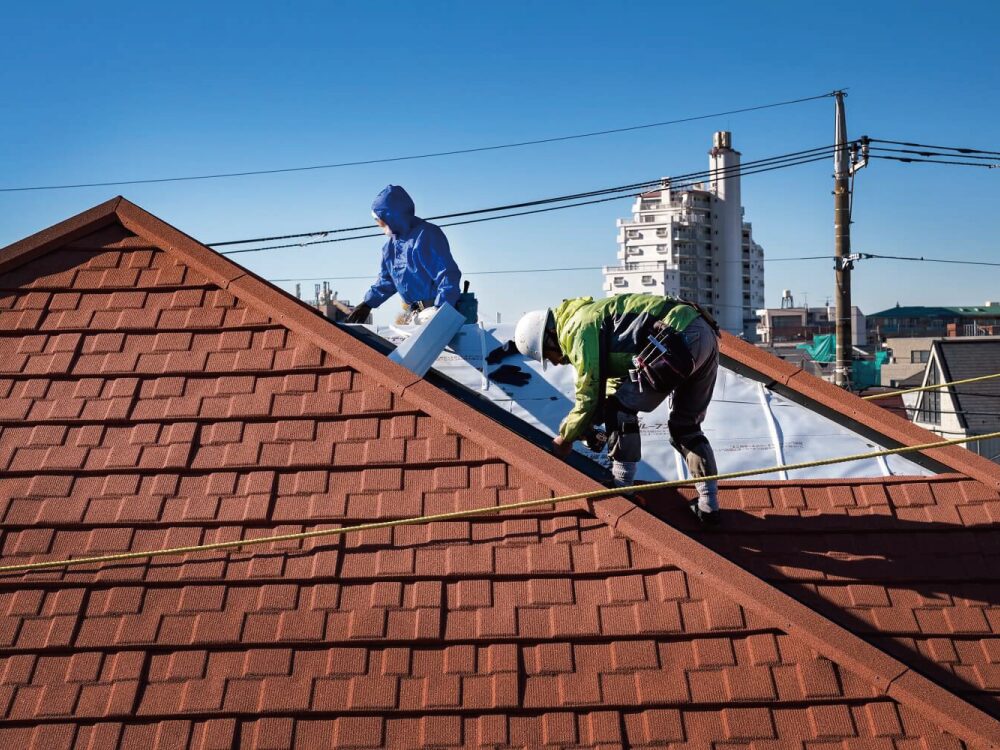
{"x": 395, "y": 207}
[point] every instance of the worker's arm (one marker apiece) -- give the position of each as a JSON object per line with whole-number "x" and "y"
{"x": 384, "y": 287}
{"x": 585, "y": 358}
{"x": 435, "y": 256}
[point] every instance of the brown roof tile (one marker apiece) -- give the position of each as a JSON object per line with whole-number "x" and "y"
{"x": 154, "y": 394}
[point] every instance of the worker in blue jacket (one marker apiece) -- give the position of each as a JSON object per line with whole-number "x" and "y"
{"x": 416, "y": 261}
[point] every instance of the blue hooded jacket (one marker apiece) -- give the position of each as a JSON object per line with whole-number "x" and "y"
{"x": 416, "y": 261}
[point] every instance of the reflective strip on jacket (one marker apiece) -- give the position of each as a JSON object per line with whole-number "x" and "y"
{"x": 624, "y": 317}
{"x": 416, "y": 261}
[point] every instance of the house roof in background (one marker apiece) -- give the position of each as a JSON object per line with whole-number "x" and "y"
{"x": 155, "y": 394}
{"x": 916, "y": 311}
{"x": 970, "y": 358}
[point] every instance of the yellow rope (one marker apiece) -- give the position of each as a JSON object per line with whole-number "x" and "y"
{"x": 931, "y": 387}
{"x": 590, "y": 494}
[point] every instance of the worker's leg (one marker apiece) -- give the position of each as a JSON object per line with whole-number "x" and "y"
{"x": 689, "y": 407}
{"x": 622, "y": 422}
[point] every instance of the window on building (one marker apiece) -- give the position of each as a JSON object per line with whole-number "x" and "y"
{"x": 919, "y": 356}
{"x": 929, "y": 411}
{"x": 662, "y": 249}
{"x": 620, "y": 281}
{"x": 648, "y": 281}
{"x": 648, "y": 218}
{"x": 634, "y": 250}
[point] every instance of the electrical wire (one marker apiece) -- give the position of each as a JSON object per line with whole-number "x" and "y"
{"x": 543, "y": 270}
{"x": 929, "y": 153}
{"x": 959, "y": 149}
{"x": 915, "y": 409}
{"x": 914, "y": 160}
{"x": 414, "y": 157}
{"x": 524, "y": 213}
{"x": 930, "y": 260}
{"x": 650, "y": 184}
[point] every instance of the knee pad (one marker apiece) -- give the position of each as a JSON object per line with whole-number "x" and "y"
{"x": 686, "y": 438}
{"x": 624, "y": 441}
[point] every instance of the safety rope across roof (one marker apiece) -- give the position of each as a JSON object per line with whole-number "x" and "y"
{"x": 415, "y": 520}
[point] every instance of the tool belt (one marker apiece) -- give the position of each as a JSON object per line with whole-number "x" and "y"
{"x": 419, "y": 306}
{"x": 664, "y": 363}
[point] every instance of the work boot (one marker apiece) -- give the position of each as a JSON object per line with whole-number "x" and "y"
{"x": 707, "y": 518}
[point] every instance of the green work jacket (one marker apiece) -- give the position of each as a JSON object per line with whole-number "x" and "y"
{"x": 621, "y": 323}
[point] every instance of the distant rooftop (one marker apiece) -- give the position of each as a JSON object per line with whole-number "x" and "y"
{"x": 918, "y": 311}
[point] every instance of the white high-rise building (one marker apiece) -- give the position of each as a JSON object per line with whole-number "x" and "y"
{"x": 693, "y": 243}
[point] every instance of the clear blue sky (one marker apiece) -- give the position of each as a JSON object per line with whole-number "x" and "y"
{"x": 136, "y": 90}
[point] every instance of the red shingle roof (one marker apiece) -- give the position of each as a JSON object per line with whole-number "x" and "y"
{"x": 154, "y": 394}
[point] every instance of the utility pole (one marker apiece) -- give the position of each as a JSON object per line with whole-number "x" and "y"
{"x": 842, "y": 245}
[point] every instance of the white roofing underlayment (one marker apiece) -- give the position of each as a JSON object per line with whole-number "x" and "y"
{"x": 748, "y": 425}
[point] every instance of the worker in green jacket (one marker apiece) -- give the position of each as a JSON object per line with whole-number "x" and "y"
{"x": 630, "y": 352}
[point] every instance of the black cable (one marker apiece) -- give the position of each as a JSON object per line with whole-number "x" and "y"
{"x": 525, "y": 213}
{"x": 416, "y": 156}
{"x": 914, "y": 160}
{"x": 464, "y": 273}
{"x": 527, "y": 270}
{"x": 930, "y": 260}
{"x": 929, "y": 153}
{"x": 555, "y": 199}
{"x": 943, "y": 411}
{"x": 960, "y": 149}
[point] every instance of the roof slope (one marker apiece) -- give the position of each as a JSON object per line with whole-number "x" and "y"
{"x": 154, "y": 394}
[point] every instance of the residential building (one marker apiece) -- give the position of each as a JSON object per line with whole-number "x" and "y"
{"x": 796, "y": 325}
{"x": 155, "y": 396}
{"x": 692, "y": 242}
{"x": 966, "y": 409}
{"x": 915, "y": 321}
{"x": 908, "y": 357}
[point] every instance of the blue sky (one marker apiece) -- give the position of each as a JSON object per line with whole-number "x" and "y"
{"x": 138, "y": 90}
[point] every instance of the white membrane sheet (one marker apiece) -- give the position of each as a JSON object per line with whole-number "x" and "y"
{"x": 749, "y": 427}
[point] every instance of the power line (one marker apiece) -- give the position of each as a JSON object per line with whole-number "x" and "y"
{"x": 530, "y": 270}
{"x": 534, "y": 211}
{"x": 414, "y": 157}
{"x": 960, "y": 149}
{"x": 915, "y": 160}
{"x": 653, "y": 183}
{"x": 929, "y": 260}
{"x": 928, "y": 153}
{"x": 464, "y": 273}
{"x": 918, "y": 409}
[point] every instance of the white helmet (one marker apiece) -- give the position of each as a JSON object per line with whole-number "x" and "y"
{"x": 529, "y": 335}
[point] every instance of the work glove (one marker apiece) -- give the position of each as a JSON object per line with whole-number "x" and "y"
{"x": 360, "y": 314}
{"x": 511, "y": 375}
{"x": 506, "y": 350}
{"x": 595, "y": 439}
{"x": 424, "y": 316}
